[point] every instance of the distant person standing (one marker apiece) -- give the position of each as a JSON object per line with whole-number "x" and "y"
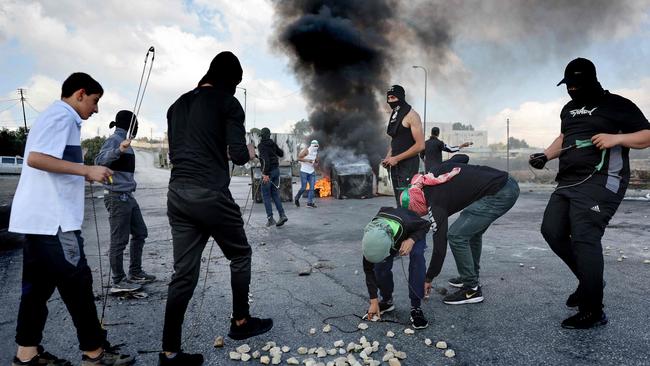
{"x": 434, "y": 147}
{"x": 307, "y": 158}
{"x": 269, "y": 153}
{"x": 124, "y": 215}
{"x": 407, "y": 140}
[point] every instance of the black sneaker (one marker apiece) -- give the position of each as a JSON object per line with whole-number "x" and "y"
{"x": 311, "y": 205}
{"x": 283, "y": 219}
{"x": 297, "y": 202}
{"x": 108, "y": 359}
{"x": 141, "y": 278}
{"x": 42, "y": 358}
{"x": 386, "y": 306}
{"x": 418, "y": 321}
{"x": 252, "y": 327}
{"x": 455, "y": 282}
{"x": 181, "y": 359}
{"x": 270, "y": 222}
{"x": 465, "y": 295}
{"x": 585, "y": 320}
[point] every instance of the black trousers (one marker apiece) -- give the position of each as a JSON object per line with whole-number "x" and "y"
{"x": 401, "y": 174}
{"x": 57, "y": 262}
{"x": 196, "y": 214}
{"x": 574, "y": 223}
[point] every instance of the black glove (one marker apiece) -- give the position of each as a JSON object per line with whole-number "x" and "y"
{"x": 538, "y": 160}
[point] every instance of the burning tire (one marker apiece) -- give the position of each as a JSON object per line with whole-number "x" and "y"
{"x": 336, "y": 191}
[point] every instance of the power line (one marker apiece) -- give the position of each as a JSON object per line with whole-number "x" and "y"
{"x": 11, "y": 106}
{"x": 8, "y": 100}
{"x": 31, "y": 106}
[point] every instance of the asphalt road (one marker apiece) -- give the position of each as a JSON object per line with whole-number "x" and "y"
{"x": 517, "y": 324}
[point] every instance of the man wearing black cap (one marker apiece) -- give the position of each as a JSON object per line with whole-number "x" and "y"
{"x": 434, "y": 147}
{"x": 206, "y": 128}
{"x": 597, "y": 131}
{"x": 407, "y": 140}
{"x": 124, "y": 214}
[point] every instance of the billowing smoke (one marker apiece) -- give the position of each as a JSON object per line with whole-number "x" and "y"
{"x": 346, "y": 53}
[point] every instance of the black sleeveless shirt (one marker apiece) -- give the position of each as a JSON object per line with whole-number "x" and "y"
{"x": 402, "y": 138}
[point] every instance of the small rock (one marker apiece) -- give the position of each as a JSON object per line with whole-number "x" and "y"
{"x": 619, "y": 259}
{"x": 235, "y": 355}
{"x": 363, "y": 340}
{"x": 362, "y": 326}
{"x": 532, "y": 267}
{"x": 244, "y": 348}
{"x": 256, "y": 355}
{"x": 327, "y": 328}
{"x": 645, "y": 248}
{"x": 275, "y": 351}
{"x": 245, "y": 357}
{"x": 409, "y": 331}
{"x": 441, "y": 345}
{"x": 620, "y": 251}
{"x": 608, "y": 247}
{"x": 286, "y": 349}
{"x": 302, "y": 350}
{"x": 428, "y": 342}
{"x": 332, "y": 352}
{"x": 350, "y": 346}
{"x": 390, "y": 334}
{"x": 401, "y": 355}
{"x": 624, "y": 256}
{"x": 312, "y": 350}
{"x": 358, "y": 348}
{"x": 341, "y": 351}
{"x": 265, "y": 360}
{"x": 293, "y": 361}
{"x": 394, "y": 362}
{"x": 312, "y": 331}
{"x": 339, "y": 343}
{"x": 320, "y": 352}
{"x": 450, "y": 353}
{"x": 267, "y": 347}
{"x": 389, "y": 347}
{"x": 646, "y": 261}
{"x": 309, "y": 362}
{"x": 387, "y": 356}
{"x": 521, "y": 264}
{"x": 218, "y": 342}
{"x": 356, "y": 272}
{"x": 276, "y": 360}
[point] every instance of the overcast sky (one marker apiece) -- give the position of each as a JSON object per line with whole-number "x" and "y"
{"x": 492, "y": 75}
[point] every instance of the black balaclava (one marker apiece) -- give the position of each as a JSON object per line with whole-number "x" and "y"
{"x": 265, "y": 134}
{"x": 581, "y": 74}
{"x": 225, "y": 72}
{"x": 123, "y": 121}
{"x": 398, "y": 92}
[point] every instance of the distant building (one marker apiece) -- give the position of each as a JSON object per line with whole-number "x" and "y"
{"x": 456, "y": 137}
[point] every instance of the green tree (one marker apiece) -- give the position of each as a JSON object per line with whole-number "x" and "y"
{"x": 301, "y": 128}
{"x": 461, "y": 127}
{"x": 12, "y": 142}
{"x": 91, "y": 148}
{"x": 515, "y": 143}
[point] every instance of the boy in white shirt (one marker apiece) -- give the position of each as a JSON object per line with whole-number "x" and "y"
{"x": 48, "y": 207}
{"x": 307, "y": 158}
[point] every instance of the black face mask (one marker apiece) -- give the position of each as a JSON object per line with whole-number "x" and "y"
{"x": 588, "y": 93}
{"x": 395, "y": 104}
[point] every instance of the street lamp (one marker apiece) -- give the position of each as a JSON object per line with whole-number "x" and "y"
{"x": 244, "y": 89}
{"x": 425, "y": 96}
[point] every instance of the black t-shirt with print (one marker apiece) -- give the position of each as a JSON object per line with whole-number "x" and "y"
{"x": 610, "y": 114}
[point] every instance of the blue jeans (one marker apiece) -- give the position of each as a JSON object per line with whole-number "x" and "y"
{"x": 465, "y": 234}
{"x": 417, "y": 271}
{"x": 270, "y": 192}
{"x": 304, "y": 179}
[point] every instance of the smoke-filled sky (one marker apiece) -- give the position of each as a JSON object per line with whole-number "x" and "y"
{"x": 487, "y": 60}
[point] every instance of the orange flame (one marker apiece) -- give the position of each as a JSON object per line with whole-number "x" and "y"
{"x": 324, "y": 186}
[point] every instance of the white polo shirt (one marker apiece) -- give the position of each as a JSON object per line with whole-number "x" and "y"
{"x": 45, "y": 201}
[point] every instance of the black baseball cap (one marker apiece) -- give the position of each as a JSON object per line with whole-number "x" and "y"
{"x": 579, "y": 72}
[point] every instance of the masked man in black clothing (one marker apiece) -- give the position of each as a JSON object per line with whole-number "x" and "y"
{"x": 434, "y": 147}
{"x": 597, "y": 131}
{"x": 391, "y": 232}
{"x": 206, "y": 128}
{"x": 407, "y": 140}
{"x": 483, "y": 194}
{"x": 269, "y": 153}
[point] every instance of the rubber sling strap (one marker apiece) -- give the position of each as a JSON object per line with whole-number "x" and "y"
{"x": 587, "y": 143}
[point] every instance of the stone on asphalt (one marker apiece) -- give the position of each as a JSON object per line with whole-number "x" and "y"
{"x": 244, "y": 348}
{"x": 409, "y": 331}
{"x": 332, "y": 352}
{"x": 327, "y": 328}
{"x": 388, "y": 356}
{"x": 441, "y": 345}
{"x": 265, "y": 360}
{"x": 339, "y": 343}
{"x": 362, "y": 326}
{"x": 276, "y": 360}
{"x": 646, "y": 261}
{"x": 302, "y": 350}
{"x": 390, "y": 334}
{"x": 400, "y": 354}
{"x": 245, "y": 357}
{"x": 350, "y": 347}
{"x": 256, "y": 355}
{"x": 286, "y": 349}
{"x": 341, "y": 351}
{"x": 428, "y": 342}
{"x": 312, "y": 331}
{"x": 394, "y": 362}
{"x": 293, "y": 361}
{"x": 320, "y": 352}
{"x": 235, "y": 355}
{"x": 450, "y": 353}
{"x": 218, "y": 342}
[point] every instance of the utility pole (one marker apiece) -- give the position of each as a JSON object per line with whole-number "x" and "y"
{"x": 425, "y": 97}
{"x": 508, "y": 144}
{"x": 22, "y": 101}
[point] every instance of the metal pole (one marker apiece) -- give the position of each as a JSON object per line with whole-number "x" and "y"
{"x": 425, "y": 96}
{"x": 508, "y": 144}
{"x": 22, "y": 101}
{"x": 245, "y": 102}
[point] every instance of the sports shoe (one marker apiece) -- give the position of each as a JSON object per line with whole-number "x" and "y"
{"x": 386, "y": 306}
{"x": 418, "y": 321}
{"x": 252, "y": 327}
{"x": 181, "y": 359}
{"x": 124, "y": 286}
{"x": 141, "y": 278}
{"x": 42, "y": 358}
{"x": 466, "y": 295}
{"x": 270, "y": 222}
{"x": 585, "y": 320}
{"x": 455, "y": 282}
{"x": 283, "y": 219}
{"x": 297, "y": 202}
{"x": 108, "y": 359}
{"x": 311, "y": 205}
